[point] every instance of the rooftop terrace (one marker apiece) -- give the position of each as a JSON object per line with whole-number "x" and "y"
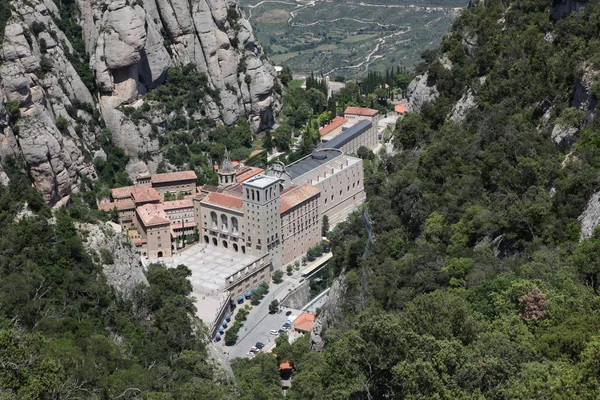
{"x": 312, "y": 161}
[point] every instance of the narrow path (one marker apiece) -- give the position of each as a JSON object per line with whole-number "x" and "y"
{"x": 370, "y": 58}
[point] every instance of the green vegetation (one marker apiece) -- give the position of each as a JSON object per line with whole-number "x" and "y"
{"x": 273, "y": 306}
{"x": 477, "y": 284}
{"x": 277, "y": 276}
{"x": 191, "y": 140}
{"x": 330, "y": 39}
{"x": 68, "y": 24}
{"x": 64, "y": 332}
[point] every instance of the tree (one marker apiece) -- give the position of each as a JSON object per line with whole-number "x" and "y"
{"x": 256, "y": 296}
{"x": 264, "y": 288}
{"x": 273, "y": 307}
{"x": 231, "y": 336}
{"x": 277, "y": 276}
{"x": 289, "y": 270}
{"x": 325, "y": 226}
{"x": 268, "y": 141}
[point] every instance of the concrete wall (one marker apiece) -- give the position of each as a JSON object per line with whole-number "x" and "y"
{"x": 298, "y": 297}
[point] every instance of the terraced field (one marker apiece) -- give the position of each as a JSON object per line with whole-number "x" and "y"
{"x": 348, "y": 37}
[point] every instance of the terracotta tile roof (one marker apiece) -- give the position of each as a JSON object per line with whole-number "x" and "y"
{"x": 177, "y": 204}
{"x": 152, "y": 214}
{"x": 286, "y": 365}
{"x": 224, "y": 200}
{"x": 305, "y": 322}
{"x": 400, "y": 108}
{"x": 145, "y": 194}
{"x": 362, "y": 111}
{"x": 336, "y": 123}
{"x": 174, "y": 177}
{"x": 122, "y": 192}
{"x": 247, "y": 173}
{"x": 120, "y": 205}
{"x": 139, "y": 242}
{"x": 295, "y": 195}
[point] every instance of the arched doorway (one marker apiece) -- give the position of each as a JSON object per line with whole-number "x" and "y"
{"x": 206, "y": 239}
{"x": 244, "y": 249}
{"x": 160, "y": 254}
{"x": 225, "y": 244}
{"x": 235, "y": 247}
{"x": 215, "y": 242}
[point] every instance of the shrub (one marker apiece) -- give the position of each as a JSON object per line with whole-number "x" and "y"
{"x": 62, "y": 123}
{"x": 37, "y": 28}
{"x": 277, "y": 276}
{"x": 106, "y": 256}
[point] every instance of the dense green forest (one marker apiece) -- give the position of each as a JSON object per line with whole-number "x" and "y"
{"x": 478, "y": 285}
{"x": 65, "y": 333}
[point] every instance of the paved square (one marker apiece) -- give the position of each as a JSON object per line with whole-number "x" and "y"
{"x": 210, "y": 266}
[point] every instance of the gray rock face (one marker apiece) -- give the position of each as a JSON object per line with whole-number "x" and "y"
{"x": 130, "y": 55}
{"x": 462, "y": 106}
{"x": 329, "y": 313}
{"x": 131, "y": 46}
{"x": 126, "y": 272}
{"x": 590, "y": 218}
{"x": 563, "y": 135}
{"x": 419, "y": 91}
{"x": 53, "y": 156}
{"x": 582, "y": 98}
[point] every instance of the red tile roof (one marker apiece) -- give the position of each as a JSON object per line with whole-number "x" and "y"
{"x": 362, "y": 111}
{"x": 296, "y": 195}
{"x": 305, "y": 322}
{"x": 122, "y": 192}
{"x": 120, "y": 205}
{"x": 152, "y": 214}
{"x": 336, "y": 123}
{"x": 145, "y": 194}
{"x": 224, "y": 200}
{"x": 247, "y": 173}
{"x": 178, "y": 204}
{"x": 286, "y": 365}
{"x": 400, "y": 108}
{"x": 174, "y": 177}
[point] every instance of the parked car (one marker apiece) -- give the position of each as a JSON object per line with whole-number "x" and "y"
{"x": 288, "y": 313}
{"x": 254, "y": 350}
{"x": 250, "y": 354}
{"x": 281, "y": 331}
{"x": 288, "y": 324}
{"x": 274, "y": 332}
{"x": 259, "y": 345}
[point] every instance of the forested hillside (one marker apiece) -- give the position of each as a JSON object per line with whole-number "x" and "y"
{"x": 66, "y": 334}
{"x": 482, "y": 282}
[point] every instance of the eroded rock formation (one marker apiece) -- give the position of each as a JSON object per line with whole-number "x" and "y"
{"x": 51, "y": 116}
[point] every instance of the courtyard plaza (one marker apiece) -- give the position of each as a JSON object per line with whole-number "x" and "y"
{"x": 210, "y": 267}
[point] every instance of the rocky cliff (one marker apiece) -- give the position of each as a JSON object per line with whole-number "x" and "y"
{"x": 70, "y": 68}
{"x": 123, "y": 269}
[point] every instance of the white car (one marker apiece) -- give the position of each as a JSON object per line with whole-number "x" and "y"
{"x": 274, "y": 332}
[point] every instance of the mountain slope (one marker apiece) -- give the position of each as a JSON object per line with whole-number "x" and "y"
{"x": 482, "y": 282}
{"x": 72, "y": 68}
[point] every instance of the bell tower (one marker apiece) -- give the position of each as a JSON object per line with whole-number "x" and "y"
{"x": 226, "y": 171}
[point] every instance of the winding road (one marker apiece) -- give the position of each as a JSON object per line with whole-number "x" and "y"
{"x": 370, "y": 56}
